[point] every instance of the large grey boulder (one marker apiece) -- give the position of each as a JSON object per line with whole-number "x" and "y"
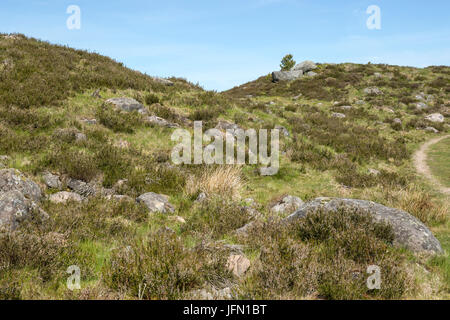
{"x": 286, "y": 75}
{"x": 156, "y": 202}
{"x": 435, "y": 117}
{"x": 126, "y": 104}
{"x": 12, "y": 179}
{"x": 409, "y": 231}
{"x": 305, "y": 66}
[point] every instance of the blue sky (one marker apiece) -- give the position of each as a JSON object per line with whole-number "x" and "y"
{"x": 221, "y": 44}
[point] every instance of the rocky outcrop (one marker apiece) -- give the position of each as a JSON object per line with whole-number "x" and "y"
{"x": 305, "y": 66}
{"x": 156, "y": 202}
{"x": 409, "y": 231}
{"x": 126, "y": 104}
{"x": 286, "y": 75}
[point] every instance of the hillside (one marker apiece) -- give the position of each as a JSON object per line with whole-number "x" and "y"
{"x": 97, "y": 187}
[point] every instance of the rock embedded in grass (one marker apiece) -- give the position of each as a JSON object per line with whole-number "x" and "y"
{"x": 12, "y": 179}
{"x": 126, "y": 104}
{"x": 156, "y": 202}
{"x": 238, "y": 264}
{"x": 288, "y": 205}
{"x": 435, "y": 117}
{"x": 64, "y": 197}
{"x": 52, "y": 181}
{"x": 408, "y": 231}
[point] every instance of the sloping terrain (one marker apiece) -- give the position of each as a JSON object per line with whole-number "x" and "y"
{"x": 137, "y": 226}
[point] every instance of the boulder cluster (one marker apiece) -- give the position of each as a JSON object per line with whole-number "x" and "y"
{"x": 304, "y": 68}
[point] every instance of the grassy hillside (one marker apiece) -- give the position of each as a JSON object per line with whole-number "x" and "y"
{"x": 123, "y": 251}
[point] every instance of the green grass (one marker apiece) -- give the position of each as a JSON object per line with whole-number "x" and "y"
{"x": 439, "y": 161}
{"x": 321, "y": 157}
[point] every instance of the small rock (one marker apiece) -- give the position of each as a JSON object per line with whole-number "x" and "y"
{"x": 82, "y": 188}
{"x": 397, "y": 120}
{"x": 158, "y": 121}
{"x": 374, "y": 172}
{"x": 268, "y": 171}
{"x": 243, "y": 231}
{"x": 346, "y": 107}
{"x": 431, "y": 129}
{"x": 118, "y": 197}
{"x": 52, "y": 181}
{"x": 373, "y": 91}
{"x": 421, "y": 105}
{"x": 201, "y": 197}
{"x": 238, "y": 264}
{"x": 287, "y": 205}
{"x": 64, "y": 197}
{"x": 89, "y": 121}
{"x": 96, "y": 94}
{"x": 435, "y": 117}
{"x": 178, "y": 219}
{"x": 156, "y": 202}
{"x": 338, "y": 115}
{"x": 283, "y": 130}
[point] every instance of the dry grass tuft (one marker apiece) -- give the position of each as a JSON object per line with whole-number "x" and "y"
{"x": 225, "y": 181}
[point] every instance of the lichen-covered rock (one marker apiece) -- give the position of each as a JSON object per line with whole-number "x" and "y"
{"x": 373, "y": 91}
{"x": 14, "y": 208}
{"x": 286, "y": 75}
{"x": 156, "y": 202}
{"x": 51, "y": 180}
{"x": 409, "y": 231}
{"x": 12, "y": 179}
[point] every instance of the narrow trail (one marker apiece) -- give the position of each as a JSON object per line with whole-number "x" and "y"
{"x": 420, "y": 162}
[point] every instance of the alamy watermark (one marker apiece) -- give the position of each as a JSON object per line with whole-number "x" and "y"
{"x": 74, "y": 20}
{"x": 74, "y": 280}
{"x": 374, "y": 280}
{"x": 233, "y": 142}
{"x": 374, "y": 20}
